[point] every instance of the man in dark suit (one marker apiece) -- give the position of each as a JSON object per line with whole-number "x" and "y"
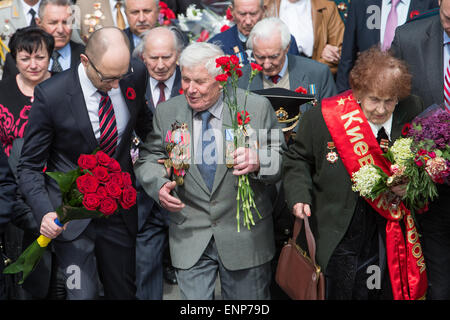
{"x": 424, "y": 45}
{"x": 141, "y": 16}
{"x": 55, "y": 17}
{"x": 7, "y": 201}
{"x": 365, "y": 27}
{"x": 269, "y": 41}
{"x": 246, "y": 13}
{"x": 160, "y": 53}
{"x": 66, "y": 121}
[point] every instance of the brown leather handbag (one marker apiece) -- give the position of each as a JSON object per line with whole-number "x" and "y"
{"x": 297, "y": 274}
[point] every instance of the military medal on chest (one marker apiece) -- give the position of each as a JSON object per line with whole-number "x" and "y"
{"x": 93, "y": 20}
{"x": 332, "y": 156}
{"x": 384, "y": 145}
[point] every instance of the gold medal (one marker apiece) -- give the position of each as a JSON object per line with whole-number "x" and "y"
{"x": 179, "y": 180}
{"x": 384, "y": 145}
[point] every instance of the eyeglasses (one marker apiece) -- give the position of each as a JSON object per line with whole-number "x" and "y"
{"x": 110, "y": 79}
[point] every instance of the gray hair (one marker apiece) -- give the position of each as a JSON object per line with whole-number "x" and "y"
{"x": 261, "y": 3}
{"x": 44, "y": 3}
{"x": 265, "y": 30}
{"x": 202, "y": 53}
{"x": 156, "y": 3}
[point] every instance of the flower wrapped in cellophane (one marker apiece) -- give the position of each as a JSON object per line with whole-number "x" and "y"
{"x": 97, "y": 188}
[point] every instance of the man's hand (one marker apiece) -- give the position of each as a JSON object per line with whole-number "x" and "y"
{"x": 48, "y": 226}
{"x": 245, "y": 161}
{"x": 168, "y": 201}
{"x": 301, "y": 210}
{"x": 331, "y": 54}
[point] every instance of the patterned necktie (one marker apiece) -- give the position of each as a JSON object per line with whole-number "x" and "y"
{"x": 119, "y": 16}
{"x": 33, "y": 14}
{"x": 208, "y": 166}
{"x": 391, "y": 25}
{"x": 107, "y": 123}
{"x": 162, "y": 95}
{"x": 447, "y": 86}
{"x": 275, "y": 78}
{"x": 56, "y": 67}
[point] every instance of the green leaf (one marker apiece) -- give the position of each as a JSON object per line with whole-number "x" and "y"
{"x": 64, "y": 179}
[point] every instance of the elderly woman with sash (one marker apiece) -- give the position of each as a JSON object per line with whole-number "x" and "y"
{"x": 367, "y": 249}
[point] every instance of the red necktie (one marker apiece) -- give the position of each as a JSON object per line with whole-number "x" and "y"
{"x": 275, "y": 78}
{"x": 107, "y": 123}
{"x": 162, "y": 96}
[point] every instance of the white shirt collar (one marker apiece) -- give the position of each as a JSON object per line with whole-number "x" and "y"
{"x": 86, "y": 85}
{"x": 387, "y": 127}
{"x": 169, "y": 82}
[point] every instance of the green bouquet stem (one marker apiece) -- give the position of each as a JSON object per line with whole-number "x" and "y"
{"x": 245, "y": 199}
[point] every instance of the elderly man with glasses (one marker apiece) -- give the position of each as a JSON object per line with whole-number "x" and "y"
{"x": 98, "y": 104}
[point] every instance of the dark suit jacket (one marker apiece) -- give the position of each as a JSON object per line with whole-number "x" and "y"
{"x": 76, "y": 49}
{"x": 130, "y": 38}
{"x": 420, "y": 44}
{"x": 229, "y": 39}
{"x": 302, "y": 72}
{"x": 358, "y": 37}
{"x": 307, "y": 175}
{"x": 59, "y": 130}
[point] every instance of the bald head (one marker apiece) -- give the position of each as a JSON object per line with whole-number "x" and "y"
{"x": 107, "y": 40}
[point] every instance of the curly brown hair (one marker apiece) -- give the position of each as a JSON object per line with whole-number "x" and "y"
{"x": 381, "y": 73}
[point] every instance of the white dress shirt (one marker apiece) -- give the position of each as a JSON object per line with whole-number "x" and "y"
{"x": 27, "y": 8}
{"x": 387, "y": 127}
{"x": 167, "y": 91}
{"x": 402, "y": 14}
{"x": 92, "y": 100}
{"x": 298, "y": 18}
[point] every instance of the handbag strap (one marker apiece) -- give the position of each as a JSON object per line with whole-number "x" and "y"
{"x": 309, "y": 236}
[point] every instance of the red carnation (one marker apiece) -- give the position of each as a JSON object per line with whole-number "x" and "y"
{"x": 101, "y": 173}
{"x": 204, "y": 35}
{"x": 131, "y": 94}
{"x": 163, "y": 5}
{"x": 222, "y": 61}
{"x": 87, "y": 183}
{"x": 222, "y": 77}
{"x": 103, "y": 158}
{"x": 234, "y": 60}
{"x": 239, "y": 73}
{"x": 128, "y": 198}
{"x": 302, "y": 90}
{"x": 87, "y": 161}
{"x": 255, "y": 66}
{"x": 246, "y": 116}
{"x": 114, "y": 166}
{"x": 113, "y": 189}
{"x": 181, "y": 91}
{"x": 108, "y": 206}
{"x": 224, "y": 28}
{"x": 91, "y": 201}
{"x": 229, "y": 15}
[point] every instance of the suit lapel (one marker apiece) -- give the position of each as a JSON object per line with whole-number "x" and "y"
{"x": 149, "y": 98}
{"x": 435, "y": 72}
{"x": 79, "y": 111}
{"x": 296, "y": 78}
{"x": 132, "y": 108}
{"x": 176, "y": 83}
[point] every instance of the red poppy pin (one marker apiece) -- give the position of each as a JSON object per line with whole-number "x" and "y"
{"x": 181, "y": 91}
{"x": 302, "y": 90}
{"x": 413, "y": 14}
{"x": 406, "y": 129}
{"x": 131, "y": 94}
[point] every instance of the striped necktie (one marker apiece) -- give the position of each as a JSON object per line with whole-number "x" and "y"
{"x": 447, "y": 86}
{"x": 107, "y": 123}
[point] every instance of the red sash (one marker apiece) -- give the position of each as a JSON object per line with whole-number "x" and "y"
{"x": 357, "y": 146}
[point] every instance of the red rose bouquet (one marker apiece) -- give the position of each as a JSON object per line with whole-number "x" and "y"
{"x": 240, "y": 125}
{"x": 97, "y": 188}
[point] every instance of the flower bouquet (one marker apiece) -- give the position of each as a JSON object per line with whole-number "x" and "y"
{"x": 421, "y": 160}
{"x": 240, "y": 119}
{"x": 96, "y": 189}
{"x": 166, "y": 15}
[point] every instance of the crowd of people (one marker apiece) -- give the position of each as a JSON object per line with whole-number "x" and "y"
{"x": 105, "y": 75}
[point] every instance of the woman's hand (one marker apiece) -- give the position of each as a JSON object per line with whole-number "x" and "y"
{"x": 301, "y": 210}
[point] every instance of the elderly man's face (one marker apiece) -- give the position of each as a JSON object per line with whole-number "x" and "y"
{"x": 377, "y": 108}
{"x": 246, "y": 13}
{"x": 57, "y": 21}
{"x": 160, "y": 56}
{"x": 269, "y": 54}
{"x": 444, "y": 13}
{"x": 200, "y": 88}
{"x": 141, "y": 15}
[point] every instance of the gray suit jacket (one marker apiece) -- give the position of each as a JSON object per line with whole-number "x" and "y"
{"x": 420, "y": 44}
{"x": 206, "y": 213}
{"x": 302, "y": 72}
